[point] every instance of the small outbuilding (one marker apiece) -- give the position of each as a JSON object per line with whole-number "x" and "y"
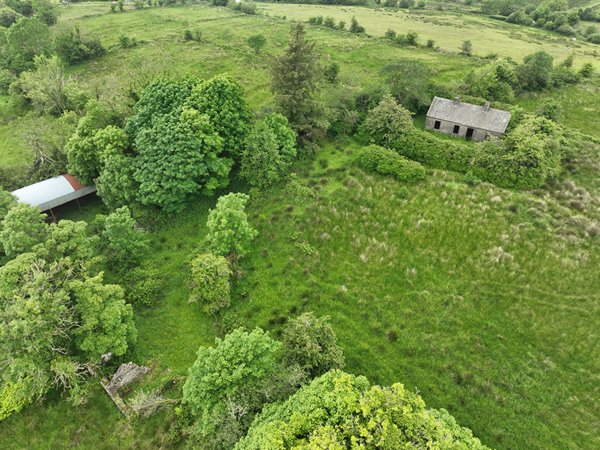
{"x": 465, "y": 120}
{"x": 53, "y": 192}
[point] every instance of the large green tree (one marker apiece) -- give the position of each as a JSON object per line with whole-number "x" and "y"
{"x": 58, "y": 317}
{"x": 269, "y": 151}
{"x": 222, "y": 100}
{"x": 229, "y": 232}
{"x": 227, "y": 384}
{"x": 410, "y": 83}
{"x": 387, "y": 122}
{"x": 295, "y": 81}
{"x": 340, "y": 411}
{"x": 26, "y": 39}
{"x": 123, "y": 241}
{"x": 178, "y": 156}
{"x": 535, "y": 73}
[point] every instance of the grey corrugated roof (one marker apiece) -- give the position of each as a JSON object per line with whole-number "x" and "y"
{"x": 469, "y": 115}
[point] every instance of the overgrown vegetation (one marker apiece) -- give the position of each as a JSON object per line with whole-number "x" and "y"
{"x": 309, "y": 229}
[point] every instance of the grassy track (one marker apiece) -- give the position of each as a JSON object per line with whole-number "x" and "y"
{"x": 449, "y": 30}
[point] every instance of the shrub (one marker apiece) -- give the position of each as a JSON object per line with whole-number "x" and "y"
{"x": 8, "y": 17}
{"x": 535, "y": 74}
{"x": 587, "y": 70}
{"x": 341, "y": 25}
{"x": 466, "y": 48}
{"x": 257, "y": 42}
{"x": 209, "y": 282}
{"x": 248, "y": 7}
{"x": 125, "y": 244}
{"x": 388, "y": 162}
{"x": 329, "y": 22}
{"x": 331, "y": 73}
{"x": 144, "y": 286}
{"x": 386, "y": 122}
{"x": 74, "y": 48}
{"x": 550, "y": 109}
{"x": 189, "y": 35}
{"x": 229, "y": 233}
{"x": 594, "y": 38}
{"x": 432, "y": 151}
{"x": 318, "y": 20}
{"x": 430, "y": 43}
{"x": 6, "y": 79}
{"x": 310, "y": 342}
{"x": 127, "y": 41}
{"x": 355, "y": 27}
{"x": 390, "y": 34}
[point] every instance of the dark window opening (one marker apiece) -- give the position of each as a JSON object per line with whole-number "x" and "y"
{"x": 456, "y": 129}
{"x": 470, "y": 133}
{"x": 436, "y": 125}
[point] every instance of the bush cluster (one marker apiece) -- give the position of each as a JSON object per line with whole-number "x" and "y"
{"x": 75, "y": 48}
{"x": 388, "y": 162}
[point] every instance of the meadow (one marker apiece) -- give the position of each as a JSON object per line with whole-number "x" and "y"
{"x": 484, "y": 300}
{"x": 448, "y": 29}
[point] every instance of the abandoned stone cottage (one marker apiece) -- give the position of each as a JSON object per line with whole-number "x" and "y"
{"x": 466, "y": 120}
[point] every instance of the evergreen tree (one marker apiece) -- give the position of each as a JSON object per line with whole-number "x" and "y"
{"x": 295, "y": 82}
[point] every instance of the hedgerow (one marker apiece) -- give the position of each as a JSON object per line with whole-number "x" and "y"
{"x": 388, "y": 162}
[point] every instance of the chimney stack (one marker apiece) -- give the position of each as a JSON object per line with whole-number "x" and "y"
{"x": 486, "y": 106}
{"x": 456, "y": 100}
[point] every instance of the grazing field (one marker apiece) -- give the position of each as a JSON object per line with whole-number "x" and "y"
{"x": 484, "y": 300}
{"x": 449, "y": 30}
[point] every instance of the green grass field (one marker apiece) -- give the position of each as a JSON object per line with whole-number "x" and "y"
{"x": 449, "y": 30}
{"x": 484, "y": 300}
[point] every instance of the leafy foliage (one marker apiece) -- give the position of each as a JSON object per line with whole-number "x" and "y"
{"x": 223, "y": 375}
{"x": 229, "y": 233}
{"x": 82, "y": 149}
{"x": 535, "y": 74}
{"x": 26, "y": 39}
{"x": 209, "y": 282}
{"x": 74, "y": 48}
{"x": 269, "y": 151}
{"x": 526, "y": 158}
{"x": 256, "y": 42}
{"x": 386, "y": 122}
{"x": 125, "y": 244}
{"x": 409, "y": 82}
{"x": 58, "y": 317}
{"x": 494, "y": 81}
{"x": 222, "y": 100}
{"x": 48, "y": 87}
{"x": 178, "y": 156}
{"x": 388, "y": 162}
{"x": 23, "y": 227}
{"x": 310, "y": 342}
{"x": 339, "y": 410}
{"x": 295, "y": 82}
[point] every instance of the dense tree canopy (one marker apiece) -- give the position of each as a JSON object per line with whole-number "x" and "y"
{"x": 339, "y": 411}
{"x": 23, "y": 227}
{"x": 26, "y": 39}
{"x": 222, "y": 100}
{"x": 494, "y": 81}
{"x": 124, "y": 243}
{"x": 179, "y": 155}
{"x": 226, "y": 382}
{"x": 58, "y": 317}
